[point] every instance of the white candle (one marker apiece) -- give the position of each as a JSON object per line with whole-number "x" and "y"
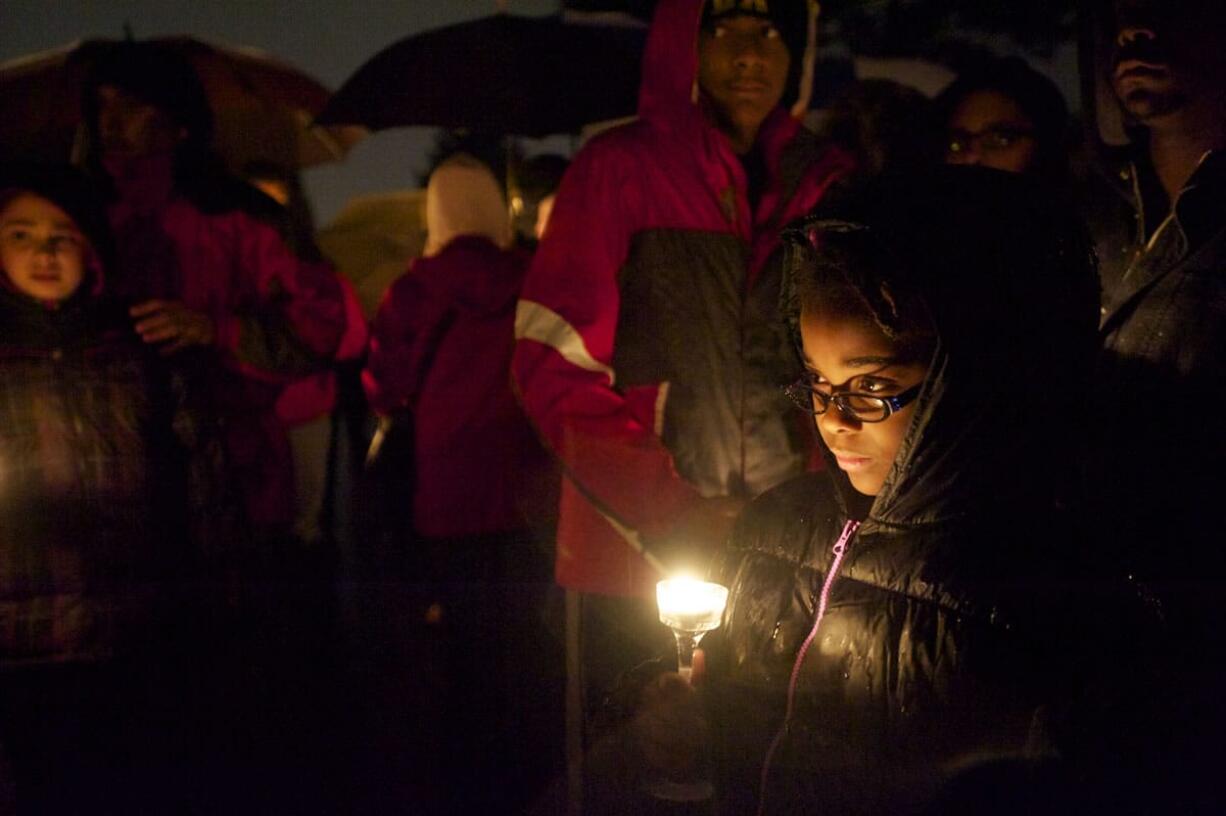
{"x": 690, "y": 605}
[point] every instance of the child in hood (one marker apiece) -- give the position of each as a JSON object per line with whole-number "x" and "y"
{"x": 108, "y": 508}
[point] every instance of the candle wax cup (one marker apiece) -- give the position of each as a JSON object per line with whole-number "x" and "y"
{"x": 692, "y": 606}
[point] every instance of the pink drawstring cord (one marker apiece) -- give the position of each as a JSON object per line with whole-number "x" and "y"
{"x": 839, "y": 549}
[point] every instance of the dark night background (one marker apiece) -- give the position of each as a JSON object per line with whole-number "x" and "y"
{"x": 331, "y": 40}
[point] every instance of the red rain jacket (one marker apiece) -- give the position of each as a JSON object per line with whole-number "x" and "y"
{"x": 276, "y": 316}
{"x": 650, "y": 353}
{"x": 441, "y": 347}
{"x": 314, "y": 396}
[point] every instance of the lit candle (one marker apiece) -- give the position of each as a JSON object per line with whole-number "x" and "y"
{"x": 691, "y": 608}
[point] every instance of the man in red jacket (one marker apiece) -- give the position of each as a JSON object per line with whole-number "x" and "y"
{"x": 650, "y": 353}
{"x": 203, "y": 266}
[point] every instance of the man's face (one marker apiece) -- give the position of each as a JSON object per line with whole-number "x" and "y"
{"x": 854, "y": 356}
{"x": 742, "y": 68}
{"x": 129, "y": 126}
{"x": 41, "y": 250}
{"x": 1168, "y": 54}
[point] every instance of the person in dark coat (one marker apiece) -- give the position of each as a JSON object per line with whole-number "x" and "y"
{"x": 1159, "y": 468}
{"x": 918, "y": 612}
{"x": 112, "y": 516}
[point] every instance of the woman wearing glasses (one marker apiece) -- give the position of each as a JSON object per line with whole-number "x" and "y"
{"x": 914, "y": 610}
{"x": 1002, "y": 113}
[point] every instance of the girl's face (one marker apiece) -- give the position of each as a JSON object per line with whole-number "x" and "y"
{"x": 850, "y": 355}
{"x": 41, "y": 250}
{"x": 990, "y": 129}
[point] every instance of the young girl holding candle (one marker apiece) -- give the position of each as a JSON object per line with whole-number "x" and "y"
{"x": 917, "y": 610}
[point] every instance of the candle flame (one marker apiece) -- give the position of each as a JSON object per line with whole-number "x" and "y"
{"x": 689, "y": 595}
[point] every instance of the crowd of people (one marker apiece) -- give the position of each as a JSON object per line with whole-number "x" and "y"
{"x": 926, "y": 388}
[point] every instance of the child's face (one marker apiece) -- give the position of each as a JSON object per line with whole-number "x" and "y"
{"x": 854, "y": 356}
{"x": 41, "y": 250}
{"x": 743, "y": 69}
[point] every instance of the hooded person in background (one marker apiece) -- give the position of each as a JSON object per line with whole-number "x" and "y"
{"x": 649, "y": 350}
{"x": 484, "y": 489}
{"x": 112, "y": 511}
{"x": 1002, "y": 113}
{"x": 199, "y": 268}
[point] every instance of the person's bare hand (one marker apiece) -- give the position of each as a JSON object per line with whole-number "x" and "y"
{"x": 171, "y": 326}
{"x": 669, "y": 727}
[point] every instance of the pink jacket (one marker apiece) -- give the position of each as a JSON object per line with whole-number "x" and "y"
{"x": 441, "y": 349}
{"x": 275, "y": 315}
{"x": 651, "y": 406}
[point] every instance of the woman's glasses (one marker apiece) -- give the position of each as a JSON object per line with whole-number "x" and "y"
{"x": 815, "y": 398}
{"x": 989, "y": 140}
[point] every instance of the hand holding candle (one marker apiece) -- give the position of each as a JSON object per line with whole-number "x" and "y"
{"x": 691, "y": 608}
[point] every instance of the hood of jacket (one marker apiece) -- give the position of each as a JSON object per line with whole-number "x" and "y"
{"x": 668, "y": 89}
{"x": 474, "y": 275}
{"x": 1008, "y": 282}
{"x": 463, "y": 198}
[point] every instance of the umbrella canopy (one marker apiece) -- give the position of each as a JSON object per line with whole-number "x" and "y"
{"x": 372, "y": 240}
{"x": 263, "y": 108}
{"x": 527, "y": 76}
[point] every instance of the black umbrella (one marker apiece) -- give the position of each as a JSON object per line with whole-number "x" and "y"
{"x": 528, "y": 76}
{"x": 262, "y": 106}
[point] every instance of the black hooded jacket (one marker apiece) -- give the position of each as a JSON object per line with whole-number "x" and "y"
{"x": 111, "y": 502}
{"x": 946, "y": 638}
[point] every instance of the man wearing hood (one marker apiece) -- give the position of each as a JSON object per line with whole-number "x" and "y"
{"x": 649, "y": 351}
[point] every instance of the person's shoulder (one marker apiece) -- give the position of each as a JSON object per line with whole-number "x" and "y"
{"x": 785, "y": 517}
{"x": 625, "y": 147}
{"x": 806, "y": 151}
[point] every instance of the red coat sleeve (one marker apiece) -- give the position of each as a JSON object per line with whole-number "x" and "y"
{"x": 565, "y": 324}
{"x": 298, "y": 316}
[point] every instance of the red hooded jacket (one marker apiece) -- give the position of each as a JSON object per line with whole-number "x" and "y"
{"x": 276, "y": 316}
{"x": 650, "y": 353}
{"x": 441, "y": 347}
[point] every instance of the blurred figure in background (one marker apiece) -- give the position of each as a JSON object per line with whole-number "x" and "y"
{"x": 484, "y": 489}
{"x": 1002, "y": 113}
{"x": 210, "y": 282}
{"x": 113, "y": 513}
{"x": 1159, "y": 465}
{"x": 533, "y": 185}
{"x": 879, "y": 122}
{"x": 201, "y": 270}
{"x": 305, "y": 407}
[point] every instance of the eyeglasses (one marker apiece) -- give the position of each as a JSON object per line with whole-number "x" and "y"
{"x": 816, "y": 399}
{"x": 1001, "y": 137}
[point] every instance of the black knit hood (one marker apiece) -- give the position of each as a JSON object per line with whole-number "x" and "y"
{"x": 1008, "y": 282}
